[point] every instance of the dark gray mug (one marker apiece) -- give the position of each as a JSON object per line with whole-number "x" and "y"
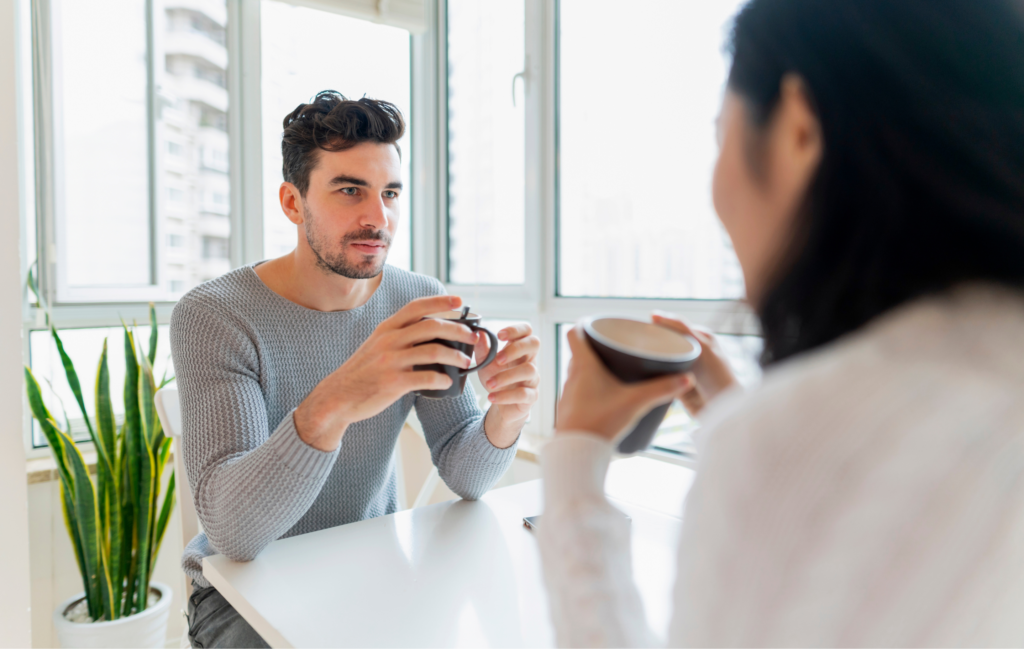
{"x": 636, "y": 351}
{"x": 457, "y": 374}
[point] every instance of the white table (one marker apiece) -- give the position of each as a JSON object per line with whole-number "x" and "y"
{"x": 453, "y": 574}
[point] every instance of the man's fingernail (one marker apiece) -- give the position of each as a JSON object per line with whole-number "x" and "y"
{"x": 502, "y": 335}
{"x": 491, "y": 397}
{"x": 491, "y": 383}
{"x": 454, "y": 301}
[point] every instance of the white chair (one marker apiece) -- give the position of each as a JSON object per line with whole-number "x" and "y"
{"x": 433, "y": 477}
{"x": 168, "y": 408}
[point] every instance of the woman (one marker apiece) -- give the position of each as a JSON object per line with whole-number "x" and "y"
{"x": 871, "y": 490}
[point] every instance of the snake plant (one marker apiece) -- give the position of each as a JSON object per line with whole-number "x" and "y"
{"x": 114, "y": 522}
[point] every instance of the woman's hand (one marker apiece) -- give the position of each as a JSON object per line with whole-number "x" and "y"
{"x": 595, "y": 401}
{"x": 711, "y": 371}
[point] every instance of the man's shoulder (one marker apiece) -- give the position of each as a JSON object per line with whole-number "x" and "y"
{"x": 222, "y": 295}
{"x": 406, "y": 285}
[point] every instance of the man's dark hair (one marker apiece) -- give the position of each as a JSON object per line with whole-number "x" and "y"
{"x": 921, "y": 184}
{"x": 334, "y": 123}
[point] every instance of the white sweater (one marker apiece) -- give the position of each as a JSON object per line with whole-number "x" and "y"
{"x": 867, "y": 493}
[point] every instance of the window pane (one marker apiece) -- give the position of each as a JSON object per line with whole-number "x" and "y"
{"x": 305, "y": 51}
{"x": 84, "y": 346}
{"x": 485, "y": 142}
{"x": 97, "y": 140}
{"x": 101, "y": 132}
{"x": 637, "y": 149}
{"x": 675, "y": 432}
{"x": 193, "y": 147}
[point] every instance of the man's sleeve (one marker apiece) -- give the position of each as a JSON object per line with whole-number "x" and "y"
{"x": 465, "y": 459}
{"x": 250, "y": 484}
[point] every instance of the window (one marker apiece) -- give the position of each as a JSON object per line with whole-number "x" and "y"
{"x": 163, "y": 90}
{"x": 98, "y": 139}
{"x": 486, "y": 109}
{"x": 176, "y": 241}
{"x": 215, "y": 248}
{"x": 84, "y": 346}
{"x": 303, "y": 51}
{"x": 636, "y": 149}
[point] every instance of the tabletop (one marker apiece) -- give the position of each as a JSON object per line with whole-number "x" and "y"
{"x": 456, "y": 574}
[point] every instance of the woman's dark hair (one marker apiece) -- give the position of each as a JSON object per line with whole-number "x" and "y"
{"x": 333, "y": 123}
{"x": 921, "y": 183}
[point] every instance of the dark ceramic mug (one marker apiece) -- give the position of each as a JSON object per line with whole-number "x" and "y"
{"x": 634, "y": 351}
{"x": 457, "y": 374}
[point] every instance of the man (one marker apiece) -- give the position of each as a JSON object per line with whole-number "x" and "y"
{"x": 296, "y": 374}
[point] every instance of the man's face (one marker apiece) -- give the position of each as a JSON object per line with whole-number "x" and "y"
{"x": 350, "y": 211}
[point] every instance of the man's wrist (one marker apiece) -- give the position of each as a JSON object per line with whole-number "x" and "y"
{"x": 319, "y": 427}
{"x": 502, "y": 432}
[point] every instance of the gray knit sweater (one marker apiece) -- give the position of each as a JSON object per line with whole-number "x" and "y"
{"x": 244, "y": 358}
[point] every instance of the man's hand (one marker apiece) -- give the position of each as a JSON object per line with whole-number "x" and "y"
{"x": 381, "y": 371}
{"x": 511, "y": 381}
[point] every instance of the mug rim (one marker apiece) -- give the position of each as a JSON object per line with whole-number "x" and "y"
{"x": 469, "y": 316}
{"x": 650, "y": 356}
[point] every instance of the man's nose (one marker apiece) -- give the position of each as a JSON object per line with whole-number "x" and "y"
{"x": 375, "y": 215}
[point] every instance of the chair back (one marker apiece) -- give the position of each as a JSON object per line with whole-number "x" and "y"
{"x": 168, "y": 408}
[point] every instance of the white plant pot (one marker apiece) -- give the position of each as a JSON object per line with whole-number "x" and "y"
{"x": 146, "y": 629}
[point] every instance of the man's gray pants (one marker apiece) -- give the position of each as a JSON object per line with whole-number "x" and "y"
{"x": 212, "y": 622}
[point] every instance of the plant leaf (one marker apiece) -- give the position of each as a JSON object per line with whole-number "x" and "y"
{"x": 76, "y": 388}
{"x": 152, "y": 333}
{"x": 147, "y": 408}
{"x": 60, "y": 402}
{"x": 48, "y": 426}
{"x": 143, "y": 522}
{"x": 87, "y": 515}
{"x": 165, "y": 515}
{"x": 105, "y": 409}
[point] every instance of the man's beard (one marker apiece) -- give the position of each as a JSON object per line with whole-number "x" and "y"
{"x": 336, "y": 262}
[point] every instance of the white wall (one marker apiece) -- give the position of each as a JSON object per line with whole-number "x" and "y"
{"x": 14, "y": 593}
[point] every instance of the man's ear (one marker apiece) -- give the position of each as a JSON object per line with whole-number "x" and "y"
{"x": 291, "y": 203}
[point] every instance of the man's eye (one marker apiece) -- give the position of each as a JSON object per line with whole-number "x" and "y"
{"x": 390, "y": 193}
{"x": 349, "y": 191}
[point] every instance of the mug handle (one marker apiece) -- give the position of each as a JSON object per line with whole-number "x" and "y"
{"x": 490, "y": 354}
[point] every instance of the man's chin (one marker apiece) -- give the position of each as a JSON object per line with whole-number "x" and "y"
{"x": 363, "y": 267}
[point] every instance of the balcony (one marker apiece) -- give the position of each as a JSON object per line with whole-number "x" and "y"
{"x": 215, "y": 10}
{"x": 197, "y": 45}
{"x": 199, "y": 90}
